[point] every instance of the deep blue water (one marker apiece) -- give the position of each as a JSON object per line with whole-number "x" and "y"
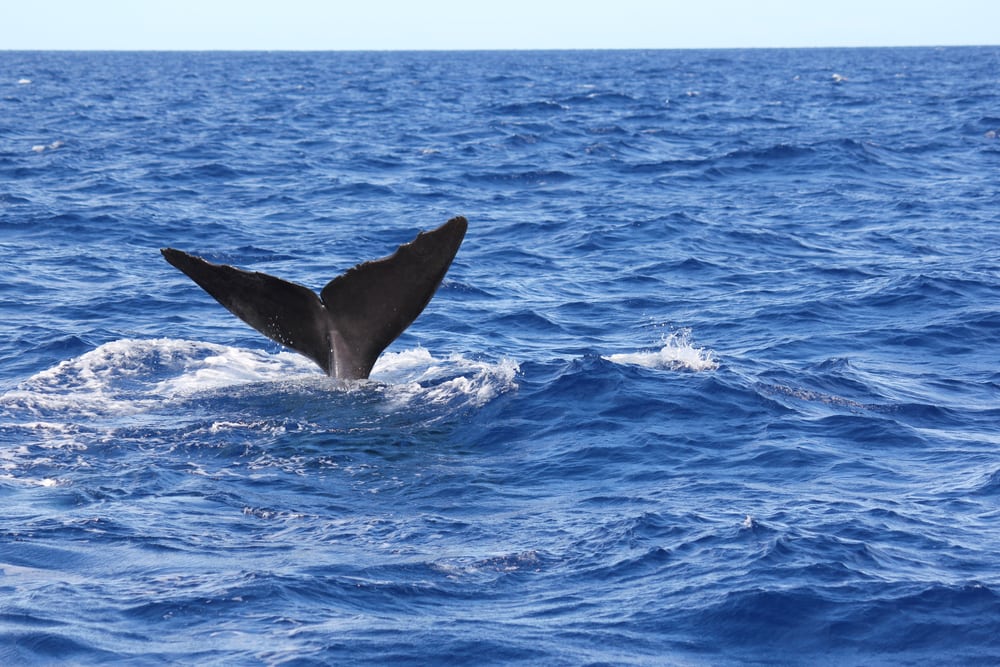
{"x": 712, "y": 381}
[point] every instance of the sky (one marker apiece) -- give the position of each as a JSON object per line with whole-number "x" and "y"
{"x": 501, "y": 24}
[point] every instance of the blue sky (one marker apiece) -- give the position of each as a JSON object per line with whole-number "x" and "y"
{"x": 502, "y": 24}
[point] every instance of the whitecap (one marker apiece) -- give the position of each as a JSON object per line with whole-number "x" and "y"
{"x": 415, "y": 375}
{"x": 128, "y": 377}
{"x": 677, "y": 352}
{"x": 455, "y": 568}
{"x": 41, "y": 148}
{"x": 206, "y": 367}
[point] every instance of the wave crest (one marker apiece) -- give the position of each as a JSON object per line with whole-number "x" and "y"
{"x": 676, "y": 353}
{"x": 134, "y": 376}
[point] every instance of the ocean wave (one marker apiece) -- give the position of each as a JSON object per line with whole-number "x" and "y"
{"x": 133, "y": 376}
{"x": 677, "y": 352}
{"x": 810, "y": 476}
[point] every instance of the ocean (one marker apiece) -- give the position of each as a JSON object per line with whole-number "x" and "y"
{"x": 713, "y": 380}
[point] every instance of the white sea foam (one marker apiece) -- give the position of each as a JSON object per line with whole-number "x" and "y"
{"x": 41, "y": 148}
{"x": 458, "y": 568}
{"x": 231, "y": 366}
{"x": 677, "y": 352}
{"x": 416, "y": 375}
{"x": 130, "y": 376}
{"x": 133, "y": 376}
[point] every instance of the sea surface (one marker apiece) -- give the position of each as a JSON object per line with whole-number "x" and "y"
{"x": 713, "y": 380}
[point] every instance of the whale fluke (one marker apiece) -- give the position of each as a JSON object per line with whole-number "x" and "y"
{"x": 355, "y": 317}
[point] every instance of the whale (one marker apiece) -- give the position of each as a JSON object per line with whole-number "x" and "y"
{"x": 347, "y": 326}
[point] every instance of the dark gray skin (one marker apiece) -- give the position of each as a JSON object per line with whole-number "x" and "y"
{"x": 355, "y": 317}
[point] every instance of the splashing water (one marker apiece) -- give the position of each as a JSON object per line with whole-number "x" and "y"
{"x": 677, "y": 352}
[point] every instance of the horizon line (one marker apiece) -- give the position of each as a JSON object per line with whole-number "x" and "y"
{"x": 485, "y": 50}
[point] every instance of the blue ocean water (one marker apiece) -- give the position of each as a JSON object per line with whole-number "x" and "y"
{"x": 713, "y": 379}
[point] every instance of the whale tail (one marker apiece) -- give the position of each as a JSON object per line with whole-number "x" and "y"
{"x": 354, "y": 318}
